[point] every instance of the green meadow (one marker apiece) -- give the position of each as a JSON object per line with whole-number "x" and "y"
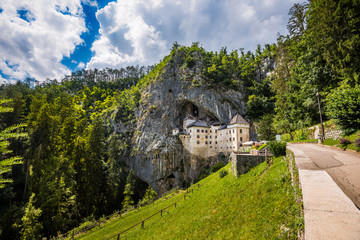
{"x": 260, "y": 204}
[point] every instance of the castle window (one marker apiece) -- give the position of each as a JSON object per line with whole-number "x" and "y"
{"x": 202, "y": 131}
{"x": 230, "y": 139}
{"x": 206, "y": 136}
{"x": 206, "y": 131}
{"x": 210, "y": 146}
{"x": 198, "y": 136}
{"x": 216, "y": 131}
{"x": 233, "y": 139}
{"x": 215, "y": 142}
{"x": 210, "y": 142}
{"x": 229, "y": 131}
{"x": 215, "y": 136}
{"x": 240, "y": 130}
{"x": 206, "y": 142}
{"x": 198, "y": 142}
{"x": 210, "y": 136}
{"x": 190, "y": 131}
{"x": 241, "y": 139}
{"x": 233, "y": 130}
{"x": 210, "y": 130}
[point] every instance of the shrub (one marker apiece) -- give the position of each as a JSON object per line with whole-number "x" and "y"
{"x": 344, "y": 143}
{"x": 343, "y": 105}
{"x": 223, "y": 173}
{"x": 149, "y": 196}
{"x": 357, "y": 144}
{"x": 206, "y": 171}
{"x": 262, "y": 146}
{"x": 277, "y": 148}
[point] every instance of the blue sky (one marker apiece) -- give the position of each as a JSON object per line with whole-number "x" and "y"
{"x": 44, "y": 39}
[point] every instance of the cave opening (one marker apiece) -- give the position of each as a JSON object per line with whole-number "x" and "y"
{"x": 139, "y": 189}
{"x": 190, "y": 109}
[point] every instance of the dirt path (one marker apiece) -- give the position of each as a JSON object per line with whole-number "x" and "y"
{"x": 325, "y": 175}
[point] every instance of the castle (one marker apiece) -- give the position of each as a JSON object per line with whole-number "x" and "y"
{"x": 207, "y": 139}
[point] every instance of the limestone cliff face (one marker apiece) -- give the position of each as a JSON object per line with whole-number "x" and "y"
{"x": 159, "y": 157}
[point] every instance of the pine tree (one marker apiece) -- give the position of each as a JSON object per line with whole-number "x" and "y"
{"x": 129, "y": 190}
{"x": 6, "y": 163}
{"x": 31, "y": 227}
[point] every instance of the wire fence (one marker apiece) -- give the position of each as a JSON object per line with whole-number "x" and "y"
{"x": 142, "y": 222}
{"x": 72, "y": 233}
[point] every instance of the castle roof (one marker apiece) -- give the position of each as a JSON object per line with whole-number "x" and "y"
{"x": 238, "y": 119}
{"x": 222, "y": 127}
{"x": 198, "y": 123}
{"x": 215, "y": 123}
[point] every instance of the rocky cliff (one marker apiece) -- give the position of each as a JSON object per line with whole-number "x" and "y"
{"x": 159, "y": 157}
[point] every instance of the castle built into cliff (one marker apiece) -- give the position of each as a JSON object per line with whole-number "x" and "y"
{"x": 205, "y": 139}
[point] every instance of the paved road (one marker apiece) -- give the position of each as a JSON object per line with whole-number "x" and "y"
{"x": 342, "y": 166}
{"x": 325, "y": 175}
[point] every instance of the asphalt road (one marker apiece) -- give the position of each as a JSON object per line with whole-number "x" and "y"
{"x": 342, "y": 166}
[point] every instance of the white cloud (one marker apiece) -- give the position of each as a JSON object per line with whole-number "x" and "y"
{"x": 81, "y": 65}
{"x": 35, "y": 47}
{"x": 142, "y": 31}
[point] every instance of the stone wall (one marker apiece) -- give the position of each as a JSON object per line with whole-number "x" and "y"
{"x": 242, "y": 163}
{"x": 331, "y": 132}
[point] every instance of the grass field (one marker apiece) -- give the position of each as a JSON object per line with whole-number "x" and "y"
{"x": 257, "y": 205}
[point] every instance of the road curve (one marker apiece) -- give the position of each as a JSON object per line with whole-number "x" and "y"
{"x": 325, "y": 175}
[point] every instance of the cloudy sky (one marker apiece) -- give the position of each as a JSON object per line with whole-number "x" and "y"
{"x": 48, "y": 39}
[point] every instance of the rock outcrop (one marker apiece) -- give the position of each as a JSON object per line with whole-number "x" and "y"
{"x": 159, "y": 157}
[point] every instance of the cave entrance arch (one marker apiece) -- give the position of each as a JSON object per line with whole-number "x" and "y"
{"x": 188, "y": 108}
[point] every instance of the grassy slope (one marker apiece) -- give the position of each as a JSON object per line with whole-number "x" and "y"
{"x": 257, "y": 205}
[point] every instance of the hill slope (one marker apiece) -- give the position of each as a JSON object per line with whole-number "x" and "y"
{"x": 257, "y": 205}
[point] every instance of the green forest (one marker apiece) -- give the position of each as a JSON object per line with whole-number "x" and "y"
{"x": 63, "y": 141}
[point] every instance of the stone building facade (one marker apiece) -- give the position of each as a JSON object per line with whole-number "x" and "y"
{"x": 203, "y": 138}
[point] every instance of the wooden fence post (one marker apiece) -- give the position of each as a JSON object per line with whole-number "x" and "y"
{"x": 118, "y": 237}
{"x": 175, "y": 205}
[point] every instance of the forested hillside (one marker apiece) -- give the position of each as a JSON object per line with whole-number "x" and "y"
{"x": 80, "y": 129}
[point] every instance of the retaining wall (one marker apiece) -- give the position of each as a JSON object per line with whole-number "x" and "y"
{"x": 242, "y": 163}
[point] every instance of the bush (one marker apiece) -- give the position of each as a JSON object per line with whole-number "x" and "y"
{"x": 357, "y": 144}
{"x": 149, "y": 196}
{"x": 262, "y": 146}
{"x": 277, "y": 148}
{"x": 206, "y": 171}
{"x": 344, "y": 143}
{"x": 223, "y": 173}
{"x": 343, "y": 105}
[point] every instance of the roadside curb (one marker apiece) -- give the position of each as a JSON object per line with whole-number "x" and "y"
{"x": 340, "y": 149}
